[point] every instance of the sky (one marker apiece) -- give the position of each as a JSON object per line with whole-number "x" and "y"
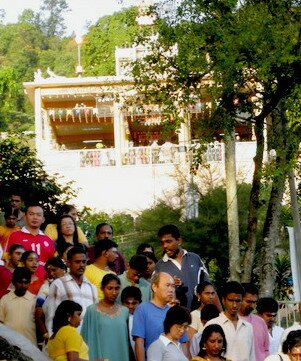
{"x": 82, "y": 11}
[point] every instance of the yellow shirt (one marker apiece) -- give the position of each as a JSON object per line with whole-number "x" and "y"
{"x": 5, "y": 232}
{"x": 95, "y": 276}
{"x": 51, "y": 232}
{"x": 67, "y": 339}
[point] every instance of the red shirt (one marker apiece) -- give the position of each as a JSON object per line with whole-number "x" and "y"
{"x": 41, "y": 244}
{"x": 5, "y": 277}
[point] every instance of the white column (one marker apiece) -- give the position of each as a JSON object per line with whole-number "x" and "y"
{"x": 117, "y": 133}
{"x": 38, "y": 120}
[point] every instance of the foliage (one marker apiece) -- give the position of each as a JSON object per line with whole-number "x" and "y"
{"x": 282, "y": 282}
{"x": 52, "y": 19}
{"x": 21, "y": 171}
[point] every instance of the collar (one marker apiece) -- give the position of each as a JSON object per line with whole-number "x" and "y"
{"x": 25, "y": 230}
{"x": 166, "y": 341}
{"x": 68, "y": 278}
{"x": 225, "y": 319}
{"x": 166, "y": 258}
{"x": 28, "y": 296}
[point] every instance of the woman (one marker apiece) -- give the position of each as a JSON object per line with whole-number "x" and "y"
{"x": 66, "y": 344}
{"x": 291, "y": 348}
{"x": 30, "y": 261}
{"x": 67, "y": 233}
{"x": 168, "y": 347}
{"x": 104, "y": 327}
{"x": 213, "y": 344}
{"x": 70, "y": 210}
{"x": 206, "y": 295}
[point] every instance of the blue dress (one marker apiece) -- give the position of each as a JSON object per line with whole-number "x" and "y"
{"x": 106, "y": 335}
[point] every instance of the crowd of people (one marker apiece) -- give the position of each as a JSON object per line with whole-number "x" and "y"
{"x": 78, "y": 302}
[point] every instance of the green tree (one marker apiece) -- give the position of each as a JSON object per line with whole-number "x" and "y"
{"x": 53, "y": 21}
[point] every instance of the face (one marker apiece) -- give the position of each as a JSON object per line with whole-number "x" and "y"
{"x": 214, "y": 344}
{"x": 74, "y": 320}
{"x": 207, "y": 296}
{"x": 269, "y": 318}
{"x": 150, "y": 267}
{"x": 232, "y": 303}
{"x": 133, "y": 275}
{"x": 111, "y": 291}
{"x": 32, "y": 262}
{"x": 131, "y": 303}
{"x": 21, "y": 286}
{"x": 248, "y": 303}
{"x": 67, "y": 226}
{"x": 73, "y": 213}
{"x": 77, "y": 264}
{"x": 170, "y": 245}
{"x": 34, "y": 217}
{"x": 104, "y": 232}
{"x": 15, "y": 201}
{"x": 10, "y": 221}
{"x": 112, "y": 254}
{"x": 177, "y": 331}
{"x": 165, "y": 289}
{"x": 16, "y": 256}
{"x": 54, "y": 272}
{"x": 295, "y": 353}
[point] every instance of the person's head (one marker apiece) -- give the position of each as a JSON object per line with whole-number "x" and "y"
{"x": 151, "y": 263}
{"x": 34, "y": 216}
{"x": 145, "y": 247}
{"x": 170, "y": 239}
{"x": 21, "y": 280}
{"x": 249, "y": 299}
{"x": 292, "y": 345}
{"x": 106, "y": 248}
{"x": 67, "y": 313}
{"x": 176, "y": 322}
{"x": 213, "y": 342}
{"x": 110, "y": 286}
{"x": 76, "y": 261}
{"x": 267, "y": 309}
{"x": 131, "y": 297}
{"x": 63, "y": 249}
{"x": 55, "y": 268}
{"x": 136, "y": 268}
{"x": 209, "y": 312}
{"x": 10, "y": 217}
{"x": 14, "y": 254}
{"x": 30, "y": 260}
{"x": 205, "y": 293}
{"x": 66, "y": 225}
{"x": 163, "y": 287}
{"x": 70, "y": 210}
{"x": 103, "y": 230}
{"x": 232, "y": 298}
{"x": 16, "y": 200}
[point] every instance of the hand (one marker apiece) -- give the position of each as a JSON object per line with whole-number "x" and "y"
{"x": 178, "y": 281}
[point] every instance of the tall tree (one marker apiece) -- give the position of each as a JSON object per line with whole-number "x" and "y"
{"x": 52, "y": 17}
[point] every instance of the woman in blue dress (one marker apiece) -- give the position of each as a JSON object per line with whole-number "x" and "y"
{"x": 105, "y": 327}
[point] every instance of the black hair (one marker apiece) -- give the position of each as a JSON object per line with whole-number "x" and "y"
{"x": 176, "y": 315}
{"x": 13, "y": 247}
{"x": 10, "y": 211}
{"x": 36, "y": 204}
{"x": 293, "y": 339}
{"x": 150, "y": 255}
{"x": 100, "y": 225}
{"x": 267, "y": 304}
{"x": 20, "y": 273}
{"x": 63, "y": 248}
{"x": 108, "y": 278}
{"x": 64, "y": 310}
{"x": 209, "y": 312}
{"x": 55, "y": 262}
{"x": 65, "y": 209}
{"x": 169, "y": 229}
{"x": 138, "y": 262}
{"x": 103, "y": 245}
{"x": 201, "y": 287}
{"x": 75, "y": 250}
{"x": 60, "y": 242}
{"x": 207, "y": 332}
{"x": 26, "y": 254}
{"x": 250, "y": 288}
{"x": 232, "y": 287}
{"x": 142, "y": 246}
{"x": 131, "y": 291}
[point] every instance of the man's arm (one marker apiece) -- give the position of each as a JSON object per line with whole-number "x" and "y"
{"x": 139, "y": 349}
{"x": 186, "y": 350}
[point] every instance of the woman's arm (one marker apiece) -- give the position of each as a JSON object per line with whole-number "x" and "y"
{"x": 74, "y": 356}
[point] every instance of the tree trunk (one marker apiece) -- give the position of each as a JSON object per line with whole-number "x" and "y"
{"x": 254, "y": 205}
{"x": 232, "y": 210}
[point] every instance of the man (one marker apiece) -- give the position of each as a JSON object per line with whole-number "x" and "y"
{"x": 133, "y": 277}
{"x": 185, "y": 267}
{"x": 260, "y": 330}
{"x": 17, "y": 307}
{"x": 73, "y": 286}
{"x": 149, "y": 316}
{"x": 267, "y": 309}
{"x": 105, "y": 252}
{"x": 16, "y": 202}
{"x": 238, "y": 332}
{"x": 103, "y": 231}
{"x": 33, "y": 239}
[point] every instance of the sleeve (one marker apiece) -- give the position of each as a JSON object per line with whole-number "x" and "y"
{"x": 72, "y": 340}
{"x": 51, "y": 231}
{"x": 155, "y": 351}
{"x": 2, "y": 310}
{"x": 194, "y": 345}
{"x": 81, "y": 236}
{"x": 252, "y": 351}
{"x": 53, "y": 300}
{"x": 195, "y": 320}
{"x": 138, "y": 329}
